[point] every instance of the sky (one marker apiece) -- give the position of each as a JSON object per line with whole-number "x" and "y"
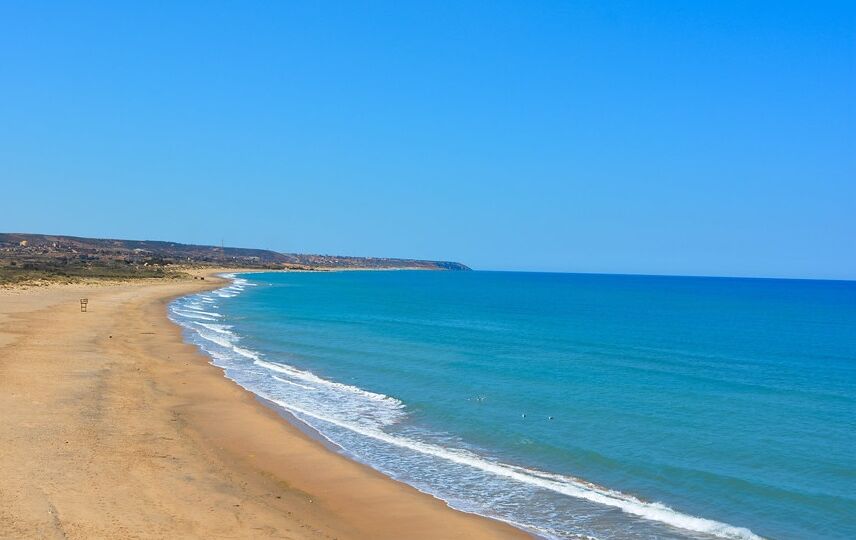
{"x": 686, "y": 138}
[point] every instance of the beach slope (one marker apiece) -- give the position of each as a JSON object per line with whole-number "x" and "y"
{"x": 112, "y": 427}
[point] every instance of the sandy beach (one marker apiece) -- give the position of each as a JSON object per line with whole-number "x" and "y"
{"x": 112, "y": 427}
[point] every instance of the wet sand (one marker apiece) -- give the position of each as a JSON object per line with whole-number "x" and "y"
{"x": 112, "y": 427}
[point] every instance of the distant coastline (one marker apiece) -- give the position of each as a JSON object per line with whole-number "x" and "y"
{"x": 33, "y": 258}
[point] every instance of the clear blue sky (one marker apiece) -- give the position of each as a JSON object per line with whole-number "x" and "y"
{"x": 637, "y": 137}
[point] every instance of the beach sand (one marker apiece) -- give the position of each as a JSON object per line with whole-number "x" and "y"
{"x": 112, "y": 427}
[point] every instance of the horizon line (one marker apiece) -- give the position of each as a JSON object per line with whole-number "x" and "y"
{"x": 472, "y": 268}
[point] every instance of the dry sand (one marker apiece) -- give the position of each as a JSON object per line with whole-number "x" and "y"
{"x": 112, "y": 427}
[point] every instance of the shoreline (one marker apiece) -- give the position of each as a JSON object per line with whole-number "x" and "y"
{"x": 313, "y": 433}
{"x": 223, "y": 352}
{"x": 118, "y": 427}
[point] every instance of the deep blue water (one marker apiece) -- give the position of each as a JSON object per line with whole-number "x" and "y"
{"x": 569, "y": 404}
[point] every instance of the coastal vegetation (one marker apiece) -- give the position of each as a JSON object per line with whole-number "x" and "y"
{"x": 33, "y": 258}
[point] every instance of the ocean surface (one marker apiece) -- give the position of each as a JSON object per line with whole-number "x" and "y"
{"x": 571, "y": 405}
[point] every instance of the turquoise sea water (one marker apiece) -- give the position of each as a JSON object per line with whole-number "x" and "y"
{"x": 571, "y": 405}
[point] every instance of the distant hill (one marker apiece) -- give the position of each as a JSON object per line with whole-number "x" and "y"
{"x": 58, "y": 252}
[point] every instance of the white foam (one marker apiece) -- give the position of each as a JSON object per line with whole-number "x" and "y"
{"x": 193, "y": 315}
{"x": 557, "y": 483}
{"x": 219, "y": 328}
{"x": 215, "y": 338}
{"x": 311, "y": 377}
{"x": 228, "y": 344}
{"x": 280, "y": 379}
{"x": 201, "y": 312}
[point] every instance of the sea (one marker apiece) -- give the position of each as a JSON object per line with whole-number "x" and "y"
{"x": 569, "y": 405}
